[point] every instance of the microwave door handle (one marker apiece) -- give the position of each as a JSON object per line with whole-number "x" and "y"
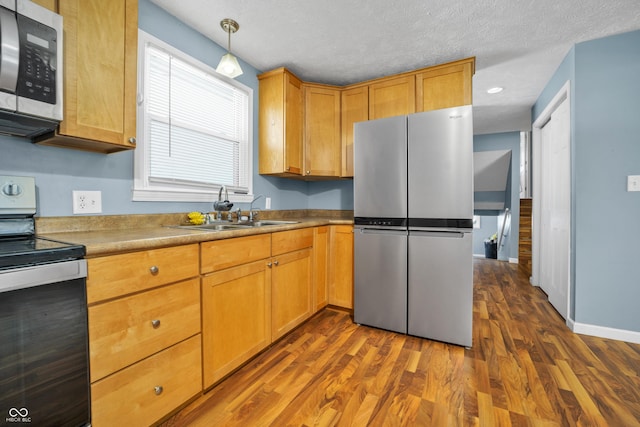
{"x": 9, "y": 51}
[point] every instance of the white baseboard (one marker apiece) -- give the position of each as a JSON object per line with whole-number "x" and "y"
{"x": 513, "y": 260}
{"x": 479, "y": 256}
{"x": 604, "y": 332}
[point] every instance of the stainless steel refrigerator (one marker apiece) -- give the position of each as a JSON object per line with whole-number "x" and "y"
{"x": 413, "y": 214}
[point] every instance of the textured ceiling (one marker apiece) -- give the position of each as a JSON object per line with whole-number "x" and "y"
{"x": 518, "y": 44}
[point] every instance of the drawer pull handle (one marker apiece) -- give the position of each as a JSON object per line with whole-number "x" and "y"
{"x": 154, "y": 270}
{"x": 158, "y": 390}
{"x": 276, "y": 262}
{"x": 269, "y": 264}
{"x": 155, "y": 323}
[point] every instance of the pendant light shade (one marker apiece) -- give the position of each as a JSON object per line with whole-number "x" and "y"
{"x": 228, "y": 65}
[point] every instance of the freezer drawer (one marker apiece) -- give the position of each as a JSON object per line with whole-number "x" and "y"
{"x": 380, "y": 274}
{"x": 440, "y": 289}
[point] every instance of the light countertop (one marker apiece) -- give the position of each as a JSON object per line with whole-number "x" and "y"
{"x": 109, "y": 235}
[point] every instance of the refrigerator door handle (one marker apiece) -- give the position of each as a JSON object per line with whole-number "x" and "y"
{"x": 399, "y": 230}
{"x": 448, "y": 234}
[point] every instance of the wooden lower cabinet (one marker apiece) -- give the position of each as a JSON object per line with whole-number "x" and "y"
{"x": 117, "y": 275}
{"x": 236, "y": 318}
{"x": 255, "y": 289}
{"x": 144, "y": 392}
{"x": 341, "y": 266}
{"x": 144, "y": 334}
{"x": 128, "y": 329}
{"x": 290, "y": 291}
{"x": 320, "y": 266}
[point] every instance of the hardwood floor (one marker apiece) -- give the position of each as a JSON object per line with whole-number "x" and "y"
{"x": 526, "y": 368}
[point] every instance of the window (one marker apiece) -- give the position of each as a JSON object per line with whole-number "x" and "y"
{"x": 194, "y": 129}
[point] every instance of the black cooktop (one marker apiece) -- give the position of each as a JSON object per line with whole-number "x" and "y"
{"x": 27, "y": 251}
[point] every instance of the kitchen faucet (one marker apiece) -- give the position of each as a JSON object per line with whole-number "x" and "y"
{"x": 222, "y": 205}
{"x": 251, "y": 215}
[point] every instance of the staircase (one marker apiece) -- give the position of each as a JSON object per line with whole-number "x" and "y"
{"x": 524, "y": 238}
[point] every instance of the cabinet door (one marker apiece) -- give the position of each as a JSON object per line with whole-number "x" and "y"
{"x": 141, "y": 394}
{"x": 100, "y": 59}
{"x": 291, "y": 296}
{"x": 341, "y": 266}
{"x": 355, "y": 108}
{"x": 114, "y": 276}
{"x": 125, "y": 330}
{"x": 236, "y": 318}
{"x": 392, "y": 97}
{"x": 320, "y": 266}
{"x": 280, "y": 123}
{"x": 322, "y": 131}
{"x": 444, "y": 87}
{"x": 49, "y": 4}
{"x": 216, "y": 255}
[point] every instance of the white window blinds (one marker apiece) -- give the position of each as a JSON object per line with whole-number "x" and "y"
{"x": 196, "y": 125}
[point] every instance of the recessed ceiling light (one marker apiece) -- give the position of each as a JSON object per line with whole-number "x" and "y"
{"x": 496, "y": 89}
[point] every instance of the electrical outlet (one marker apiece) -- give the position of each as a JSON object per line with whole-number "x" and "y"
{"x": 267, "y": 202}
{"x": 633, "y": 183}
{"x": 87, "y": 202}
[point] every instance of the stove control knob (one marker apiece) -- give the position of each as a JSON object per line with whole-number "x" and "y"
{"x": 11, "y": 190}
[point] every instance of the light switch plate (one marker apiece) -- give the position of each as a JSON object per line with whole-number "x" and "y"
{"x": 267, "y": 202}
{"x": 633, "y": 183}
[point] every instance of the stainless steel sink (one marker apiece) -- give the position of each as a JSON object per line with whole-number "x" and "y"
{"x": 265, "y": 222}
{"x": 221, "y": 226}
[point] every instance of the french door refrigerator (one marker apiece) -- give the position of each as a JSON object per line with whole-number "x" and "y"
{"x": 413, "y": 210}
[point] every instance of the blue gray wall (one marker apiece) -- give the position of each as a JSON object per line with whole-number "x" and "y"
{"x": 492, "y": 220}
{"x": 605, "y": 90}
{"x": 59, "y": 171}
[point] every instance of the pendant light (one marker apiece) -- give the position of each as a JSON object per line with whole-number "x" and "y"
{"x": 228, "y": 65}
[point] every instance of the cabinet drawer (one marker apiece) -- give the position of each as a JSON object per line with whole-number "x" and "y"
{"x": 130, "y": 397}
{"x": 116, "y": 275}
{"x": 292, "y": 240}
{"x": 128, "y": 329}
{"x": 220, "y": 254}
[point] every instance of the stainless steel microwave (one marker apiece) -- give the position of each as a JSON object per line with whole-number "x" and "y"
{"x": 30, "y": 68}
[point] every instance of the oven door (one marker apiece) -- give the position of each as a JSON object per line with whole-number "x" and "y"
{"x": 44, "y": 368}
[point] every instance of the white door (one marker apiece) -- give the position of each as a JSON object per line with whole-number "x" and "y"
{"x": 555, "y": 208}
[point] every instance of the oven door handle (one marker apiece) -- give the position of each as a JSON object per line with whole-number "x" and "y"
{"x": 44, "y": 274}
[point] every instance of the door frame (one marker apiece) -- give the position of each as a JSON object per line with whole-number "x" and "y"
{"x": 564, "y": 94}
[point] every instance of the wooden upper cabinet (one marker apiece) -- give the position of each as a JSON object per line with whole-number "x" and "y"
{"x": 444, "y": 86}
{"x": 100, "y": 60}
{"x": 354, "y": 108}
{"x": 392, "y": 97}
{"x": 49, "y": 4}
{"x": 300, "y": 122}
{"x": 322, "y": 131}
{"x": 280, "y": 123}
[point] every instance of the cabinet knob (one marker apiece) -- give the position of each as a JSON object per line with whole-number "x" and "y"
{"x": 155, "y": 323}
{"x": 308, "y": 172}
{"x": 132, "y": 140}
{"x": 158, "y": 390}
{"x": 269, "y": 264}
{"x": 154, "y": 270}
{"x": 276, "y": 262}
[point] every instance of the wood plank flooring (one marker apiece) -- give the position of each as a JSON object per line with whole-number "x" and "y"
{"x": 526, "y": 368}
